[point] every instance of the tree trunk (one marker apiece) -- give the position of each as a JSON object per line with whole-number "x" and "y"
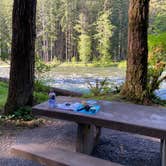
{"x": 136, "y": 75}
{"x": 22, "y": 56}
{"x": 59, "y": 46}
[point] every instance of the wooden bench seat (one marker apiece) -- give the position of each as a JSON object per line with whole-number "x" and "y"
{"x": 57, "y": 157}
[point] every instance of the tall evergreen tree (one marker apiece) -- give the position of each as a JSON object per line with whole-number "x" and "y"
{"x": 22, "y": 57}
{"x": 56, "y": 19}
{"x": 5, "y": 28}
{"x": 104, "y": 30}
{"x": 84, "y": 41}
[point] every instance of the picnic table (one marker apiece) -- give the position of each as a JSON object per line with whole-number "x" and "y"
{"x": 138, "y": 119}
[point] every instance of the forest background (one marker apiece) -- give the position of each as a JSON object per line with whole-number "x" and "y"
{"x": 86, "y": 31}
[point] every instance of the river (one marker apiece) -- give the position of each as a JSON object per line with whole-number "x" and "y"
{"x": 76, "y": 78}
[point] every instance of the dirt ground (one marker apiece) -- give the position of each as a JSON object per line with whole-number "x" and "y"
{"x": 123, "y": 148}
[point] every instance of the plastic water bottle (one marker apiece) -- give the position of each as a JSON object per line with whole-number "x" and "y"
{"x": 52, "y": 99}
{"x": 51, "y": 103}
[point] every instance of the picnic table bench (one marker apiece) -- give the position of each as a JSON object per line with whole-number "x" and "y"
{"x": 138, "y": 119}
{"x": 57, "y": 157}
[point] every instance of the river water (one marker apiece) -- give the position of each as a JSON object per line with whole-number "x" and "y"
{"x": 76, "y": 78}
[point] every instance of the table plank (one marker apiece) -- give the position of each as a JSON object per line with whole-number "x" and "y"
{"x": 145, "y": 120}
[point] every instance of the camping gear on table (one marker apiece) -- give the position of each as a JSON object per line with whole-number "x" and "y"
{"x": 88, "y": 107}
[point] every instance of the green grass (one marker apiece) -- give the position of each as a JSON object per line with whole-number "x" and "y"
{"x": 3, "y": 94}
{"x": 40, "y": 87}
{"x": 40, "y": 94}
{"x": 95, "y": 64}
{"x": 75, "y": 64}
{"x": 122, "y": 64}
{"x": 108, "y": 97}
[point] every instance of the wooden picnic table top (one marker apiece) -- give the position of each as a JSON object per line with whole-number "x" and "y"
{"x": 139, "y": 119}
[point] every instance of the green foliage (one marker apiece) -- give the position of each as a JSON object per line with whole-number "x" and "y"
{"x": 23, "y": 113}
{"x": 40, "y": 67}
{"x": 84, "y": 47}
{"x": 122, "y": 64}
{"x": 41, "y": 92}
{"x": 84, "y": 39}
{"x": 3, "y": 94}
{"x": 60, "y": 22}
{"x": 73, "y": 60}
{"x": 99, "y": 88}
{"x": 82, "y": 25}
{"x": 157, "y": 17}
{"x": 40, "y": 87}
{"x": 158, "y": 101}
{"x": 155, "y": 77}
{"x": 40, "y": 96}
{"x": 76, "y": 64}
{"x": 5, "y": 28}
{"x": 104, "y": 30}
{"x": 158, "y": 42}
{"x": 160, "y": 23}
{"x": 118, "y": 89}
{"x": 98, "y": 63}
{"x": 157, "y": 62}
{"x": 54, "y": 63}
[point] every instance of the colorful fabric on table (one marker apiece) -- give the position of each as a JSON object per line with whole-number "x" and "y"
{"x": 92, "y": 110}
{"x": 78, "y": 107}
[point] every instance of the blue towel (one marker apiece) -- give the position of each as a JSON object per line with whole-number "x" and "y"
{"x": 93, "y": 109}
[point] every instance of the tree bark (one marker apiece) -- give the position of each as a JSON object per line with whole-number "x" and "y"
{"x": 21, "y": 81}
{"x": 136, "y": 75}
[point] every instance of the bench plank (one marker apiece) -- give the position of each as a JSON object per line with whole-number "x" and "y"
{"x": 57, "y": 157}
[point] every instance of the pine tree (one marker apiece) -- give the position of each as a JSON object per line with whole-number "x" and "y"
{"x": 84, "y": 41}
{"x": 104, "y": 30}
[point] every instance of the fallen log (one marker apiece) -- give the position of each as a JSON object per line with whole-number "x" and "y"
{"x": 64, "y": 92}
{"x": 58, "y": 91}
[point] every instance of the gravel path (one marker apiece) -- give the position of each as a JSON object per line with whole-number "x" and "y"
{"x": 120, "y": 147}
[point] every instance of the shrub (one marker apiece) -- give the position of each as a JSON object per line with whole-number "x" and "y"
{"x": 40, "y": 97}
{"x": 40, "y": 87}
{"x": 3, "y": 94}
{"x": 157, "y": 63}
{"x": 99, "y": 88}
{"x": 40, "y": 67}
{"x": 23, "y": 113}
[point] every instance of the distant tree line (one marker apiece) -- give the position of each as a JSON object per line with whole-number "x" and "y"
{"x": 87, "y": 37}
{"x": 80, "y": 30}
